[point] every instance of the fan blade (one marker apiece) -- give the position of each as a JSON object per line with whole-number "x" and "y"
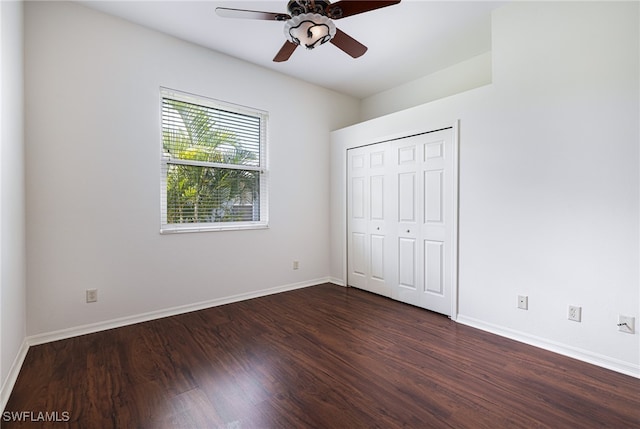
{"x": 344, "y": 8}
{"x": 348, "y": 44}
{"x": 251, "y": 14}
{"x": 285, "y": 52}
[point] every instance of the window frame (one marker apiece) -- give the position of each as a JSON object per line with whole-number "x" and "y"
{"x": 262, "y": 168}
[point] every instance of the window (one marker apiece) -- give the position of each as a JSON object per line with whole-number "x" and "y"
{"x": 213, "y": 165}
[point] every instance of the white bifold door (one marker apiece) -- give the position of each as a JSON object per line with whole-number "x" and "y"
{"x": 401, "y": 221}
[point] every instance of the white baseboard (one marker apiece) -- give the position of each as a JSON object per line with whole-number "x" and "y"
{"x": 145, "y": 317}
{"x": 337, "y": 281}
{"x": 12, "y": 376}
{"x": 563, "y": 349}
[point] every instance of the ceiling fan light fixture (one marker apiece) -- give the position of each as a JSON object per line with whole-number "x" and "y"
{"x": 309, "y": 30}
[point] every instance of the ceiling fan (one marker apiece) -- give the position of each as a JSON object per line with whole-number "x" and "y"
{"x": 310, "y": 23}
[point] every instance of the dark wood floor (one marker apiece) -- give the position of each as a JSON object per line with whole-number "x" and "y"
{"x": 319, "y": 357}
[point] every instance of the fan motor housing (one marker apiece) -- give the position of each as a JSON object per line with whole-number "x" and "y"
{"x": 297, "y": 7}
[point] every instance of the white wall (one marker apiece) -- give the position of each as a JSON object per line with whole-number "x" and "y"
{"x": 549, "y": 179}
{"x": 466, "y": 75}
{"x": 12, "y": 226}
{"x": 93, "y": 173}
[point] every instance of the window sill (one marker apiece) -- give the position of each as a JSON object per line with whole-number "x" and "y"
{"x": 184, "y": 228}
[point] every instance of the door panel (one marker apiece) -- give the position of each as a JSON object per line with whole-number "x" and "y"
{"x": 407, "y": 263}
{"x": 357, "y": 200}
{"x": 407, "y": 197}
{"x": 433, "y": 194}
{"x": 433, "y": 150}
{"x": 377, "y": 197}
{"x": 359, "y": 255}
{"x": 407, "y": 154}
{"x": 433, "y": 267}
{"x": 377, "y": 159}
{"x": 377, "y": 257}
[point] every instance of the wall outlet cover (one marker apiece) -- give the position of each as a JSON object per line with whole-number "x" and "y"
{"x": 575, "y": 313}
{"x": 523, "y": 302}
{"x": 627, "y": 324}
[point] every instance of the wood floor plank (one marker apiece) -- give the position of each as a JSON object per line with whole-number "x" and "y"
{"x": 318, "y": 357}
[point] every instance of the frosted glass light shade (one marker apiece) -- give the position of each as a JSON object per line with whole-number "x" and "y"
{"x": 309, "y": 30}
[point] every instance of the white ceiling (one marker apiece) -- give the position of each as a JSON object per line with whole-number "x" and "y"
{"x": 406, "y": 41}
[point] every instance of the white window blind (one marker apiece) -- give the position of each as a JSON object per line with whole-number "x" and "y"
{"x": 214, "y": 173}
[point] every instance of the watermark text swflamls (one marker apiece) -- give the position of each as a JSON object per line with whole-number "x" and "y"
{"x": 36, "y": 416}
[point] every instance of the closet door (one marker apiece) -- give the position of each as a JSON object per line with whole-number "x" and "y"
{"x": 401, "y": 221}
{"x": 368, "y": 190}
{"x": 438, "y": 222}
{"x": 406, "y": 178}
{"x": 426, "y": 221}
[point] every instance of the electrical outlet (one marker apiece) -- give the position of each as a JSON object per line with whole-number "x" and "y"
{"x": 627, "y": 324}
{"x": 575, "y": 313}
{"x": 296, "y": 265}
{"x": 92, "y": 295}
{"x": 523, "y": 302}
